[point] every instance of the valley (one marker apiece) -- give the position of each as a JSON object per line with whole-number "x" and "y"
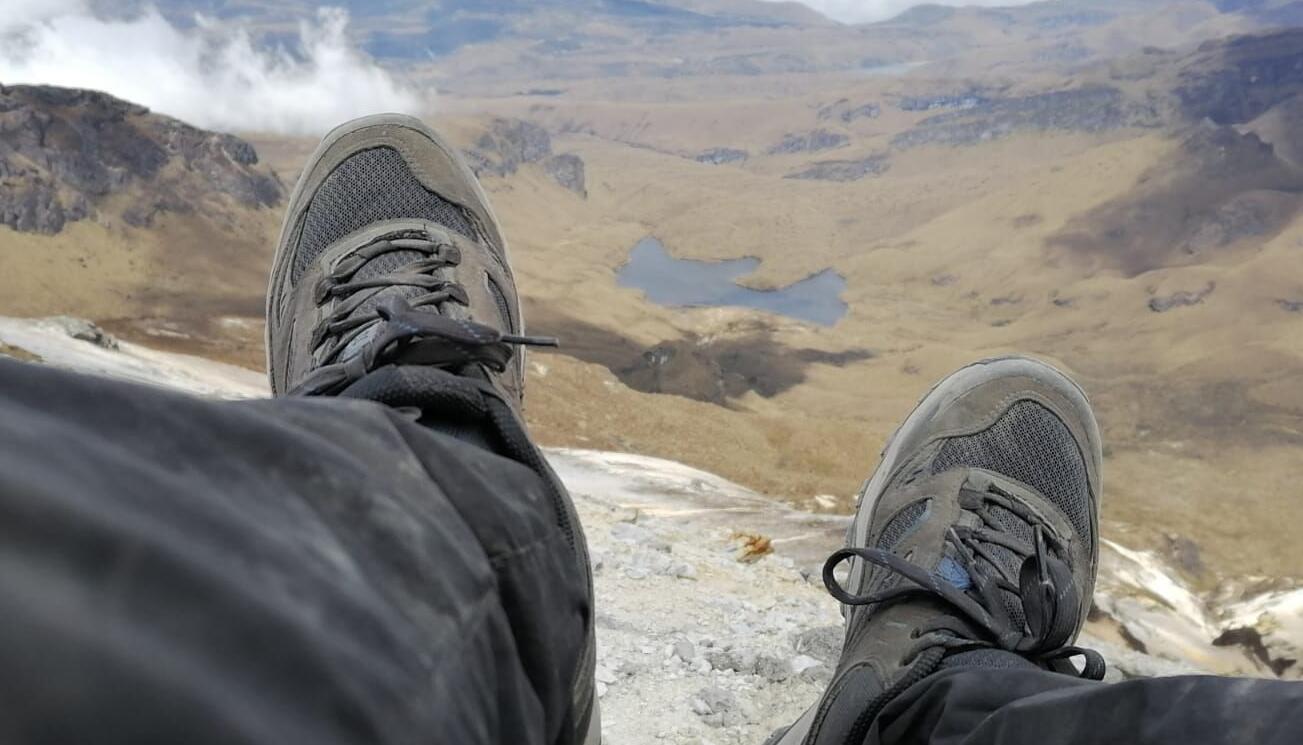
{"x": 1127, "y": 207}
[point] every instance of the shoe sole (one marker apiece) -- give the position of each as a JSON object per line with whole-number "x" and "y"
{"x": 946, "y": 392}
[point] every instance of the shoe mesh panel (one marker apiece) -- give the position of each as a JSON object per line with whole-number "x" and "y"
{"x": 500, "y": 299}
{"x": 903, "y": 524}
{"x": 900, "y": 526}
{"x": 1029, "y": 443}
{"x": 370, "y": 186}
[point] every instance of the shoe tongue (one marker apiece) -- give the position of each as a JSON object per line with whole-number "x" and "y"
{"x": 1002, "y": 561}
{"x": 384, "y": 264}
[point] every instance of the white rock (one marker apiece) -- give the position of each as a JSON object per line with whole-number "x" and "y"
{"x": 801, "y": 663}
{"x": 684, "y": 650}
{"x": 684, "y": 571}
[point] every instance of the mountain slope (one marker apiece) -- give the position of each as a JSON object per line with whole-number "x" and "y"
{"x": 111, "y": 211}
{"x": 66, "y": 155}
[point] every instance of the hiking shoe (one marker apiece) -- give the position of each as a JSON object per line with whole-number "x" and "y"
{"x": 975, "y": 543}
{"x": 391, "y": 284}
{"x": 390, "y": 254}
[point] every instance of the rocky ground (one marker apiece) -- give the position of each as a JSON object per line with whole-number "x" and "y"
{"x": 696, "y": 643}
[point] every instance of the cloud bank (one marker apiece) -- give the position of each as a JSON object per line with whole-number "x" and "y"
{"x": 865, "y": 11}
{"x": 214, "y": 77}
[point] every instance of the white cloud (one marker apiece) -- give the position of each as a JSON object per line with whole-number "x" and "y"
{"x": 864, "y": 11}
{"x": 209, "y": 76}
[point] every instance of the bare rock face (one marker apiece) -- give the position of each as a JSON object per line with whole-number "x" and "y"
{"x": 1181, "y": 299}
{"x": 568, "y": 170}
{"x": 720, "y": 156}
{"x": 963, "y": 100}
{"x": 844, "y": 170}
{"x": 1235, "y": 80}
{"x": 845, "y": 111}
{"x": 509, "y": 144}
{"x": 1224, "y": 190}
{"x": 972, "y": 120}
{"x": 809, "y": 142}
{"x": 64, "y": 151}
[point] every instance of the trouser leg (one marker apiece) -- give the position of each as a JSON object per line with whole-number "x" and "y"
{"x": 289, "y": 571}
{"x": 1032, "y": 707}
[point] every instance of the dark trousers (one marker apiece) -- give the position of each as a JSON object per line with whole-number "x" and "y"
{"x": 299, "y": 572}
{"x": 329, "y": 571}
{"x": 1031, "y": 707}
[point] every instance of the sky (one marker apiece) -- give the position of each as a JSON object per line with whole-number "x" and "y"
{"x": 864, "y": 11}
{"x": 216, "y": 79}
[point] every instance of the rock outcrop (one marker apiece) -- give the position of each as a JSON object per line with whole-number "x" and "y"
{"x": 1091, "y": 109}
{"x": 1236, "y": 80}
{"x": 720, "y": 156}
{"x": 963, "y": 100}
{"x": 844, "y": 170}
{"x": 509, "y": 144}
{"x": 846, "y": 112}
{"x": 65, "y": 152}
{"x": 809, "y": 142}
{"x": 568, "y": 170}
{"x": 1223, "y": 190}
{"x": 1181, "y": 298}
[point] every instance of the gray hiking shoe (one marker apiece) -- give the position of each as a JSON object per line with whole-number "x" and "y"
{"x": 388, "y": 220}
{"x": 975, "y": 544}
{"x": 391, "y": 284}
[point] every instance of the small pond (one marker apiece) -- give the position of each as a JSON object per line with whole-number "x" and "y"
{"x": 684, "y": 282}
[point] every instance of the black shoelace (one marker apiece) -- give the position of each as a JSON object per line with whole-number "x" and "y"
{"x": 1044, "y": 585}
{"x": 413, "y": 330}
{"x": 348, "y": 320}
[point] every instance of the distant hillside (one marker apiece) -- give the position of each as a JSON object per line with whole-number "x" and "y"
{"x": 1235, "y": 104}
{"x": 68, "y": 155}
{"x": 111, "y": 211}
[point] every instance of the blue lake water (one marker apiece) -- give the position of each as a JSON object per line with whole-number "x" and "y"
{"x": 684, "y": 282}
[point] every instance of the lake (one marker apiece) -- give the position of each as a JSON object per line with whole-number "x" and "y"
{"x": 687, "y": 283}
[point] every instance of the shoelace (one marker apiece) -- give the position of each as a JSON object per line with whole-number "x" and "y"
{"x": 419, "y": 337}
{"x": 346, "y": 323}
{"x": 1044, "y": 585}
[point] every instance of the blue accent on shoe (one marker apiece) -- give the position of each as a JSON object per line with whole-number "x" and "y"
{"x": 950, "y": 571}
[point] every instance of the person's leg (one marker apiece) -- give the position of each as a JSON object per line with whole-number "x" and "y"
{"x": 972, "y": 563}
{"x": 1033, "y": 707}
{"x": 381, "y": 555}
{"x": 294, "y": 571}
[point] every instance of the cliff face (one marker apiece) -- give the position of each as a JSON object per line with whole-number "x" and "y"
{"x": 1237, "y": 80}
{"x": 65, "y": 155}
